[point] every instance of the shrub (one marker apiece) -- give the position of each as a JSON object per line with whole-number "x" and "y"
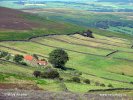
{"x": 23, "y": 63}
{"x": 37, "y": 73}
{"x": 103, "y": 85}
{"x": 18, "y": 58}
{"x": 87, "y": 81}
{"x": 3, "y": 54}
{"x": 110, "y": 85}
{"x": 60, "y": 78}
{"x": 76, "y": 79}
{"x": 131, "y": 82}
{"x": 50, "y": 73}
{"x": 122, "y": 73}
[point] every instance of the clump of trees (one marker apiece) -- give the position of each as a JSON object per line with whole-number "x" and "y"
{"x": 17, "y": 58}
{"x": 87, "y": 33}
{"x": 58, "y": 58}
{"x": 47, "y": 73}
{"x": 50, "y": 73}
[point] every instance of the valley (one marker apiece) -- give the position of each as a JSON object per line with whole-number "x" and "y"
{"x": 98, "y": 43}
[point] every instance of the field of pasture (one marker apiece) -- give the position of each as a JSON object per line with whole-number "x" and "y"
{"x": 92, "y": 57}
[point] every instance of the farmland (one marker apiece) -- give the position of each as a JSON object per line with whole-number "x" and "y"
{"x": 86, "y": 55}
{"x": 102, "y": 64}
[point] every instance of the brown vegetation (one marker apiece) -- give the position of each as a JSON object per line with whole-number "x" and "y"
{"x": 12, "y": 19}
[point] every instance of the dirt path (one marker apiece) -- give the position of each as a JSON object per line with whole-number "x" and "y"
{"x": 45, "y": 95}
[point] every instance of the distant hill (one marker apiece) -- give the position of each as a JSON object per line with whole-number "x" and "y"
{"x": 15, "y": 24}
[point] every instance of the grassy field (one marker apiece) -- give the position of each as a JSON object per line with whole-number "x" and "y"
{"x": 91, "y": 61}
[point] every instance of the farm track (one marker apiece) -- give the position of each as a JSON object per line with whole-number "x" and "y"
{"x": 88, "y": 45}
{"x": 96, "y": 41}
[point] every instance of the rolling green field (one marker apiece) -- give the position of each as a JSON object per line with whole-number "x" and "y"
{"x": 86, "y": 55}
{"x": 106, "y": 60}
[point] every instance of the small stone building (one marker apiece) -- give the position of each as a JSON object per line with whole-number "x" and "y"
{"x": 34, "y": 62}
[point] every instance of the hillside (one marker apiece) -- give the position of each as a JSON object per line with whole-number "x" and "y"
{"x": 91, "y": 57}
{"x": 115, "y": 22}
{"x": 102, "y": 65}
{"x": 19, "y": 25}
{"x": 13, "y": 19}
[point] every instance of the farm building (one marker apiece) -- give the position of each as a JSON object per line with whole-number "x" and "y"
{"x": 42, "y": 63}
{"x": 34, "y": 62}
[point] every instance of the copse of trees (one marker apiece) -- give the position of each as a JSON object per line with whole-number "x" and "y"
{"x": 50, "y": 73}
{"x": 47, "y": 73}
{"x": 58, "y": 58}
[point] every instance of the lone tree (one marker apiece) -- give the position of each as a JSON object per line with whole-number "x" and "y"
{"x": 18, "y": 58}
{"x": 58, "y": 58}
